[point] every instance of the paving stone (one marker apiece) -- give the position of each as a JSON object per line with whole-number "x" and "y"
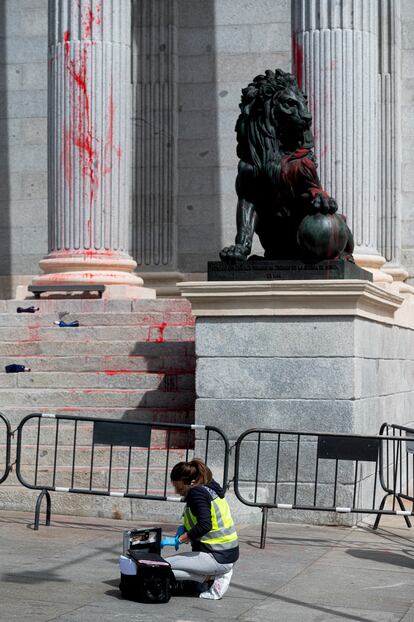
{"x": 68, "y": 572}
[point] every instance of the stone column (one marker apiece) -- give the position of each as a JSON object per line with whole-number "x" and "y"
{"x": 389, "y": 132}
{"x": 89, "y": 111}
{"x": 335, "y": 47}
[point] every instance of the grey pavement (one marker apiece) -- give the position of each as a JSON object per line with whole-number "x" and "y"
{"x": 69, "y": 572}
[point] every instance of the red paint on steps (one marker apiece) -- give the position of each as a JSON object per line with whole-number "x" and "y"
{"x": 115, "y": 372}
{"x": 160, "y": 336}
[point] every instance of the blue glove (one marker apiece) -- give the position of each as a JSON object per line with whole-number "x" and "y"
{"x": 168, "y": 541}
{"x": 178, "y": 533}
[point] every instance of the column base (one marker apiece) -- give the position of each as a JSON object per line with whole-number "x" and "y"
{"x": 113, "y": 269}
{"x": 374, "y": 264}
{"x": 112, "y": 292}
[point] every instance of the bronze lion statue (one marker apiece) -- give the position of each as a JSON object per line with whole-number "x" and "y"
{"x": 277, "y": 184}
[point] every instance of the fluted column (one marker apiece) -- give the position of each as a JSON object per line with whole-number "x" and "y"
{"x": 155, "y": 132}
{"x": 389, "y": 131}
{"x": 335, "y": 45}
{"x": 89, "y": 111}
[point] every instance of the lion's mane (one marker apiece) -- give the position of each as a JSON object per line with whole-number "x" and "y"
{"x": 258, "y": 126}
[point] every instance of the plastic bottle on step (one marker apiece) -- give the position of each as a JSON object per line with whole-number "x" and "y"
{"x": 64, "y": 324}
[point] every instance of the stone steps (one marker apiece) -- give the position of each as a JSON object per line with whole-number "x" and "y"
{"x": 100, "y": 479}
{"x": 116, "y": 379}
{"x": 131, "y": 361}
{"x": 158, "y": 333}
{"x": 110, "y": 364}
{"x": 83, "y": 454}
{"x": 94, "y": 305}
{"x": 96, "y": 348}
{"x": 128, "y": 398}
{"x": 149, "y": 318}
{"x": 160, "y": 414}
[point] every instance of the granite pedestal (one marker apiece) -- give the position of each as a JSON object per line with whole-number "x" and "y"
{"x": 317, "y": 356}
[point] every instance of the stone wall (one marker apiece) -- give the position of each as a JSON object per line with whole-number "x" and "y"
{"x": 330, "y": 375}
{"x": 23, "y": 137}
{"x": 217, "y": 47}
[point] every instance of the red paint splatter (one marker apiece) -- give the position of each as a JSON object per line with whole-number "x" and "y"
{"x": 89, "y": 230}
{"x": 101, "y": 252}
{"x": 160, "y": 336}
{"x": 81, "y": 135}
{"x": 81, "y": 116}
{"x": 89, "y": 18}
{"x": 298, "y": 60}
{"x": 115, "y": 372}
{"x": 66, "y": 36}
{"x": 87, "y": 21}
{"x": 98, "y": 14}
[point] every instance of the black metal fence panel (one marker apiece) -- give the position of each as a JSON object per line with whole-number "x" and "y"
{"x": 321, "y": 472}
{"x": 273, "y": 468}
{"x": 5, "y": 443}
{"x": 397, "y": 466}
{"x": 129, "y": 459}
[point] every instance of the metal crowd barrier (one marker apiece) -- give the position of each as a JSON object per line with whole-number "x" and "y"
{"x": 128, "y": 459}
{"x": 5, "y": 442}
{"x": 311, "y": 471}
{"x": 397, "y": 467}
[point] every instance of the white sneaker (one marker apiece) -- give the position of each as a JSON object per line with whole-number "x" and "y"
{"x": 219, "y": 587}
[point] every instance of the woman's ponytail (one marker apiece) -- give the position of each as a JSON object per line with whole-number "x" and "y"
{"x": 193, "y": 472}
{"x": 204, "y": 475}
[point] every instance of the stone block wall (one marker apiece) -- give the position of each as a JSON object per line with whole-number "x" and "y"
{"x": 23, "y": 136}
{"x": 330, "y": 375}
{"x": 219, "y": 45}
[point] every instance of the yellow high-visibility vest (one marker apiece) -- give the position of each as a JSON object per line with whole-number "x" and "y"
{"x": 222, "y": 535}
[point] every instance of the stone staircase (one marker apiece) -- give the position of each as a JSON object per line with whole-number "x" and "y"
{"x": 130, "y": 360}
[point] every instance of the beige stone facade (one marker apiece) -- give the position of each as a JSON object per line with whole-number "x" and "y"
{"x": 188, "y": 62}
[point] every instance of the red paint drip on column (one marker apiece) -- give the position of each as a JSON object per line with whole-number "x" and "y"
{"x": 89, "y": 18}
{"x": 107, "y": 163}
{"x": 298, "y": 59}
{"x": 109, "y": 143}
{"x": 80, "y": 133}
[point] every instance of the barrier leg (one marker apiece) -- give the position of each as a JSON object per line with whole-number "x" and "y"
{"x": 381, "y": 507}
{"x": 44, "y": 493}
{"x": 402, "y": 507}
{"x": 265, "y": 510}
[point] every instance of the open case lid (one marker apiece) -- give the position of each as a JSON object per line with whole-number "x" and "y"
{"x": 145, "y": 539}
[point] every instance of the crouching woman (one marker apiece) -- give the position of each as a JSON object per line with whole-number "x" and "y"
{"x": 209, "y": 528}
